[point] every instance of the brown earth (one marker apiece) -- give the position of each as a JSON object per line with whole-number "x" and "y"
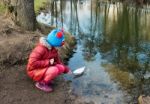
{"x": 15, "y": 86}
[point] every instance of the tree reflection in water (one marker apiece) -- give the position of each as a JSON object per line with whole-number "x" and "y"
{"x": 120, "y": 33}
{"x": 128, "y": 42}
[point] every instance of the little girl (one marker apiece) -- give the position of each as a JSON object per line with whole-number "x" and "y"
{"x": 44, "y": 64}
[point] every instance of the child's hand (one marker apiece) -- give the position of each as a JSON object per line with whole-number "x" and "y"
{"x": 51, "y": 61}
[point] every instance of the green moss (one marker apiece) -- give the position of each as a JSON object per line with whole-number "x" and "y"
{"x": 2, "y": 8}
{"x": 69, "y": 38}
{"x": 38, "y": 4}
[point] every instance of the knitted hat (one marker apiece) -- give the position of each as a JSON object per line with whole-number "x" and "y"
{"x": 56, "y": 38}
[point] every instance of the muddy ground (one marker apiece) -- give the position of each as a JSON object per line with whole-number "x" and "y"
{"x": 15, "y": 86}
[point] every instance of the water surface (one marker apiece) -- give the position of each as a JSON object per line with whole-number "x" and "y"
{"x": 113, "y": 42}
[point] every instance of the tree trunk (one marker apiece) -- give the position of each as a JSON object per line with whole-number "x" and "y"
{"x": 21, "y": 12}
{"x": 25, "y": 14}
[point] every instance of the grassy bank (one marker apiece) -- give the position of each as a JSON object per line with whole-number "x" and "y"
{"x": 2, "y": 8}
{"x": 38, "y": 4}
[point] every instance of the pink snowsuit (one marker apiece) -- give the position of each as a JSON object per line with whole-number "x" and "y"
{"x": 39, "y": 67}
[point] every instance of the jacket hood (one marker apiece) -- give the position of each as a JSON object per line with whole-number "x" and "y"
{"x": 44, "y": 42}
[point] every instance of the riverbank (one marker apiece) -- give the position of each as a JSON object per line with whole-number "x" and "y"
{"x": 15, "y": 86}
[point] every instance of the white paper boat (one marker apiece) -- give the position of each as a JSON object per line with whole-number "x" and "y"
{"x": 79, "y": 71}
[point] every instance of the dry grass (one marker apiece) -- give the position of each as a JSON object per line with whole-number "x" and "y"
{"x": 16, "y": 44}
{"x": 124, "y": 78}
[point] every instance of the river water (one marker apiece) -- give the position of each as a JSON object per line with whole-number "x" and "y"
{"x": 113, "y": 42}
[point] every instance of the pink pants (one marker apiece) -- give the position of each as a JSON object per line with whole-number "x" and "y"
{"x": 52, "y": 72}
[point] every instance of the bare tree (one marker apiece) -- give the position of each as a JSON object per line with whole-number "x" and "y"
{"x": 26, "y": 14}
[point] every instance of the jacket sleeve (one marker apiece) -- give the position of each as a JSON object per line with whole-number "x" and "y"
{"x": 35, "y": 58}
{"x": 59, "y": 61}
{"x": 66, "y": 69}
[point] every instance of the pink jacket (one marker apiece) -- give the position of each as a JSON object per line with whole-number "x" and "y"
{"x": 39, "y": 60}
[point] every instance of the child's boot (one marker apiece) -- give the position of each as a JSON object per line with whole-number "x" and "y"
{"x": 43, "y": 86}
